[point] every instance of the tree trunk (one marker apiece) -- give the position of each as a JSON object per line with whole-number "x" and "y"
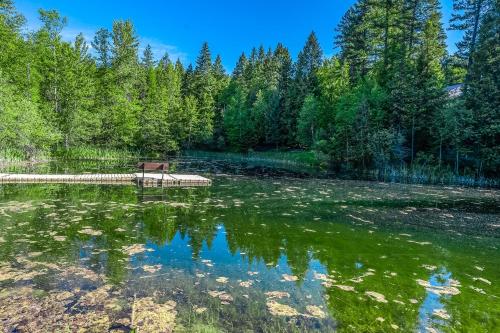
{"x": 412, "y": 137}
{"x": 440, "y": 151}
{"x": 386, "y": 33}
{"x": 477, "y": 14}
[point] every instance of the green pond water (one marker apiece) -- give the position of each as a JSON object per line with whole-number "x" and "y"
{"x": 269, "y": 253}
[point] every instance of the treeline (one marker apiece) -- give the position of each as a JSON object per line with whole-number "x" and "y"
{"x": 380, "y": 103}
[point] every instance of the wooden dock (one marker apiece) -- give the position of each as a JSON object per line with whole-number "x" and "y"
{"x": 148, "y": 180}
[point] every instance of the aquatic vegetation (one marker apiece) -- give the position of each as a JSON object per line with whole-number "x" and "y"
{"x": 90, "y": 231}
{"x": 151, "y": 268}
{"x": 287, "y": 277}
{"x": 278, "y": 309}
{"x": 271, "y": 255}
{"x": 277, "y": 294}
{"x": 343, "y": 287}
{"x": 149, "y": 316}
{"x": 441, "y": 290}
{"x": 222, "y": 295}
{"x": 133, "y": 249}
{"x": 222, "y": 279}
{"x": 246, "y": 284}
{"x": 376, "y": 296}
{"x": 315, "y": 311}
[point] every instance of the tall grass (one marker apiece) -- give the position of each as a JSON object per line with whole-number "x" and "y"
{"x": 94, "y": 153}
{"x": 283, "y": 158}
{"x": 434, "y": 175}
{"x": 316, "y": 164}
{"x": 14, "y": 156}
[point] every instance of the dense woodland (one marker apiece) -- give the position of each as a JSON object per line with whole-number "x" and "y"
{"x": 381, "y": 102}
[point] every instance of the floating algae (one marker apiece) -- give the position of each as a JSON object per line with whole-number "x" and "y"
{"x": 222, "y": 295}
{"x": 149, "y": 316}
{"x": 441, "y": 290}
{"x": 343, "y": 287}
{"x": 482, "y": 280}
{"x": 96, "y": 297}
{"x": 315, "y": 311}
{"x": 151, "y": 268}
{"x": 278, "y": 309}
{"x": 277, "y": 294}
{"x": 441, "y": 313}
{"x": 23, "y": 310}
{"x": 222, "y": 279}
{"x": 289, "y": 278}
{"x": 376, "y": 296}
{"x": 199, "y": 309}
{"x": 134, "y": 249}
{"x": 246, "y": 284}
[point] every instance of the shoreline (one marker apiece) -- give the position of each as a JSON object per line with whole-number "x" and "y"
{"x": 303, "y": 164}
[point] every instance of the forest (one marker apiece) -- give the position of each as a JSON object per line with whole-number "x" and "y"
{"x": 391, "y": 97}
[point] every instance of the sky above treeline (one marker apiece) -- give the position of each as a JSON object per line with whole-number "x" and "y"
{"x": 229, "y": 26}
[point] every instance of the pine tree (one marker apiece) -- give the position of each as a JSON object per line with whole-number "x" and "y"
{"x": 482, "y": 97}
{"x": 148, "y": 58}
{"x": 467, "y": 17}
{"x": 278, "y": 120}
{"x": 221, "y": 82}
{"x": 305, "y": 81}
{"x": 203, "y": 91}
{"x": 121, "y": 122}
{"x": 353, "y": 40}
{"x": 428, "y": 76}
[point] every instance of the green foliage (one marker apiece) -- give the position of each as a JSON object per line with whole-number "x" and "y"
{"x": 22, "y": 127}
{"x": 308, "y": 121}
{"x": 93, "y": 153}
{"x": 380, "y": 104}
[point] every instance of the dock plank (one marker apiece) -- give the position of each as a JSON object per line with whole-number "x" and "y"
{"x": 149, "y": 179}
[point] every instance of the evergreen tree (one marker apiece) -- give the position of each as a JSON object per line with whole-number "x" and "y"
{"x": 482, "y": 97}
{"x": 278, "y": 122}
{"x": 204, "y": 92}
{"x": 121, "y": 121}
{"x": 467, "y": 17}
{"x": 305, "y": 81}
{"x": 353, "y": 40}
{"x": 221, "y": 81}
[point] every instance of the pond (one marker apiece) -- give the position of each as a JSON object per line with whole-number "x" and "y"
{"x": 269, "y": 253}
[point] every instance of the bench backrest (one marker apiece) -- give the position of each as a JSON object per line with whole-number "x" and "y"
{"x": 150, "y": 166}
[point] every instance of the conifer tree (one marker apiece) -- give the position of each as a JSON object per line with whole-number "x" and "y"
{"x": 203, "y": 91}
{"x": 482, "y": 97}
{"x": 121, "y": 121}
{"x": 467, "y": 17}
{"x": 305, "y": 81}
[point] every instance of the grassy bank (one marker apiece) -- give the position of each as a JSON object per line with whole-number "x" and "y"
{"x": 317, "y": 164}
{"x": 93, "y": 153}
{"x": 290, "y": 160}
{"x": 13, "y": 156}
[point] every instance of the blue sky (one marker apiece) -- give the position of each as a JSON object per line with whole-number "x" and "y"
{"x": 229, "y": 26}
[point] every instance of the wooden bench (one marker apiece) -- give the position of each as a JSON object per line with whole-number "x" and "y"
{"x": 151, "y": 166}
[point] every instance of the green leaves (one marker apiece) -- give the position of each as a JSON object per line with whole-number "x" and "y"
{"x": 21, "y": 125}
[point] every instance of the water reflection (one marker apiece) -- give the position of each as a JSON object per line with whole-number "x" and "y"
{"x": 432, "y": 312}
{"x": 319, "y": 256}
